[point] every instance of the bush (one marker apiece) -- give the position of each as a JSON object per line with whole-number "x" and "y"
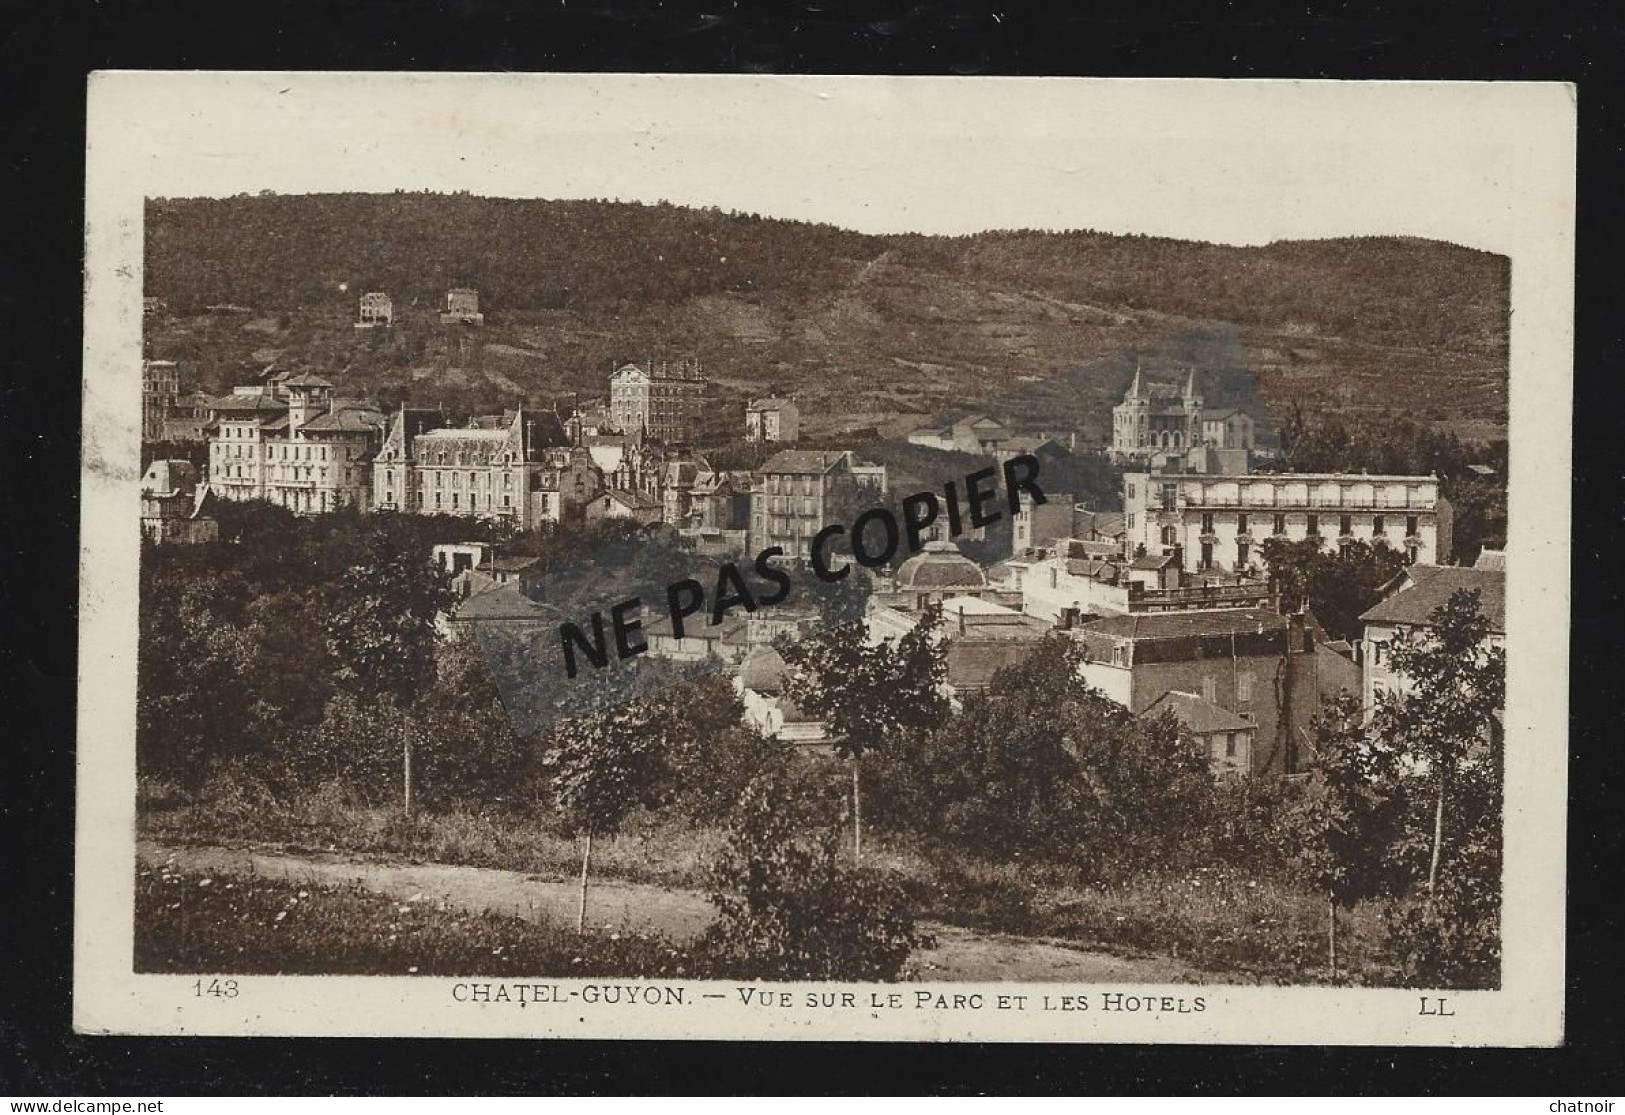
{"x": 789, "y": 910}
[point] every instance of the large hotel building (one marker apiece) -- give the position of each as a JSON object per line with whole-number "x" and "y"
{"x": 1222, "y": 522}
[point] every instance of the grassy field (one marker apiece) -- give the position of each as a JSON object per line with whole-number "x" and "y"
{"x": 255, "y": 926}
{"x": 1222, "y": 921}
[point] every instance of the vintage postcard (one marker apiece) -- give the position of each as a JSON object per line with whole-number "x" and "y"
{"x": 825, "y": 558}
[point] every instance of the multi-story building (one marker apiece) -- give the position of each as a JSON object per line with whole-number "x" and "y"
{"x": 1269, "y": 670}
{"x": 376, "y": 311}
{"x": 1222, "y": 522}
{"x": 795, "y": 491}
{"x": 772, "y": 419}
{"x": 1408, "y": 604}
{"x": 160, "y": 387}
{"x": 658, "y": 402}
{"x": 294, "y": 444}
{"x": 1154, "y": 418}
{"x": 493, "y": 468}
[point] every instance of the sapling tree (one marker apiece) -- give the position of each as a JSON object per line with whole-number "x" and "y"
{"x": 1456, "y": 686}
{"x": 603, "y": 766}
{"x": 1350, "y": 815}
{"x": 868, "y": 695}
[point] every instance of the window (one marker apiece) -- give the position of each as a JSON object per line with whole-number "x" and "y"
{"x": 1119, "y": 654}
{"x": 454, "y": 501}
{"x": 1345, "y": 525}
{"x": 1377, "y": 525}
{"x": 1410, "y": 526}
{"x": 1169, "y": 494}
{"x": 1131, "y": 520}
{"x": 1170, "y": 536}
{"x": 1210, "y": 688}
{"x": 1314, "y": 525}
{"x": 1244, "y": 687}
{"x": 1230, "y": 745}
{"x": 1280, "y": 524}
{"x": 1241, "y": 523}
{"x": 1241, "y": 554}
{"x": 1207, "y": 555}
{"x": 1131, "y": 489}
{"x": 1207, "y": 522}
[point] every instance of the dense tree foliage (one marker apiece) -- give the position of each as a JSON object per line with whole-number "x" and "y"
{"x": 1338, "y": 583}
{"x": 1473, "y": 476}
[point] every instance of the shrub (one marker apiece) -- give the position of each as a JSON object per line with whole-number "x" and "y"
{"x": 790, "y": 910}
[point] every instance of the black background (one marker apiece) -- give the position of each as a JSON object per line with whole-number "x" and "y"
{"x": 47, "y": 49}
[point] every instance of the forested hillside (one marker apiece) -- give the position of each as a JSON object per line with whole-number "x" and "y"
{"x": 888, "y": 331}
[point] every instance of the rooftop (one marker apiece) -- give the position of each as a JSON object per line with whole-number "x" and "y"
{"x": 1422, "y": 588}
{"x": 1177, "y": 625}
{"x": 1198, "y": 714}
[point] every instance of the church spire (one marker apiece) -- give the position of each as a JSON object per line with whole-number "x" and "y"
{"x": 1136, "y": 389}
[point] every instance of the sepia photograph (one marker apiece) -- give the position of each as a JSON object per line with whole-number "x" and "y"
{"x": 742, "y": 557}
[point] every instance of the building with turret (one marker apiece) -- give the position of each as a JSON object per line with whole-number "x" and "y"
{"x": 492, "y": 468}
{"x": 1152, "y": 418}
{"x": 293, "y": 442}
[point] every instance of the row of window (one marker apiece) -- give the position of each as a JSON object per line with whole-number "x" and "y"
{"x": 1345, "y": 524}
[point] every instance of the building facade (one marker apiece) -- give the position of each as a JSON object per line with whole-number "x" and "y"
{"x": 376, "y": 311}
{"x": 172, "y": 505}
{"x": 492, "y": 468}
{"x": 1230, "y": 428}
{"x": 160, "y": 388}
{"x": 1261, "y": 666}
{"x": 1407, "y": 605}
{"x": 294, "y": 444}
{"x": 975, "y": 433}
{"x": 462, "y": 307}
{"x": 795, "y": 491}
{"x": 1151, "y": 418}
{"x": 658, "y": 402}
{"x": 1222, "y": 522}
{"x": 772, "y": 419}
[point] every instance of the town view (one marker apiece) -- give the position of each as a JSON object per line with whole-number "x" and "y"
{"x": 1025, "y": 606}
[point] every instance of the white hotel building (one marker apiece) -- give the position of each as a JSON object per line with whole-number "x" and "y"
{"x": 1222, "y": 522}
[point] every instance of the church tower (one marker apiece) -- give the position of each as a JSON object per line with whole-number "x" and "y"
{"x": 1192, "y": 400}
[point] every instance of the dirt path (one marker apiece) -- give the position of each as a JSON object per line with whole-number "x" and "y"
{"x": 961, "y": 954}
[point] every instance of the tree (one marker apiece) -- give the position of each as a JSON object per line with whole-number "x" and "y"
{"x": 869, "y": 694}
{"x": 1338, "y": 584}
{"x": 1000, "y": 776}
{"x": 1351, "y": 814}
{"x": 788, "y": 909}
{"x": 1456, "y": 688}
{"x": 380, "y": 626}
{"x": 603, "y": 766}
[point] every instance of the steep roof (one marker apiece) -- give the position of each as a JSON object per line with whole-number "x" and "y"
{"x": 1198, "y": 714}
{"x": 1153, "y": 561}
{"x": 1422, "y": 588}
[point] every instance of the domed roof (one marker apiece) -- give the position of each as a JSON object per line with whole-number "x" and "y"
{"x": 763, "y": 670}
{"x": 940, "y": 566}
